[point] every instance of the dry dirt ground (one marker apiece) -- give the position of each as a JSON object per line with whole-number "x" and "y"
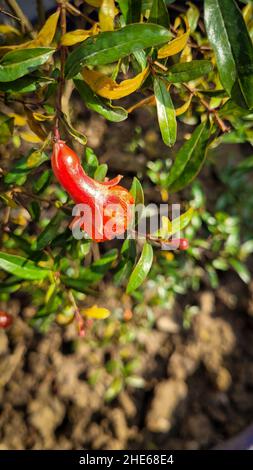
{"x": 198, "y": 384}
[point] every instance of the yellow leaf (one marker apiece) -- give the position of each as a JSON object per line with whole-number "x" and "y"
{"x": 174, "y": 47}
{"x": 47, "y": 32}
{"x": 8, "y": 29}
{"x": 34, "y": 125}
{"x": 64, "y": 319}
{"x": 168, "y": 255}
{"x": 18, "y": 120}
{"x": 44, "y": 37}
{"x": 96, "y": 312}
{"x": 79, "y": 35}
{"x": 8, "y": 199}
{"x": 247, "y": 13}
{"x": 43, "y": 117}
{"x": 30, "y": 137}
{"x": 182, "y": 109}
{"x": 94, "y": 3}
{"x": 106, "y": 15}
{"x": 164, "y": 194}
{"x": 108, "y": 88}
{"x": 33, "y": 159}
{"x": 166, "y": 225}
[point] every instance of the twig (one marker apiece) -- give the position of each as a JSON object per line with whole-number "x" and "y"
{"x": 221, "y": 124}
{"x": 74, "y": 11}
{"x": 62, "y": 50}
{"x": 78, "y": 316}
{"x": 223, "y": 127}
{"x": 41, "y": 11}
{"x": 7, "y": 13}
{"x": 20, "y": 14}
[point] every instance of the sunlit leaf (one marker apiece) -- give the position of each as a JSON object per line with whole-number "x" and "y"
{"x": 241, "y": 270}
{"x": 110, "y": 46}
{"x": 98, "y": 313}
{"x": 9, "y": 29}
{"x": 169, "y": 228}
{"x": 106, "y": 15}
{"x": 18, "y": 63}
{"x": 21, "y": 267}
{"x": 233, "y": 48}
{"x": 174, "y": 47}
{"x": 95, "y": 103}
{"x": 141, "y": 269}
{"x": 44, "y": 37}
{"x": 165, "y": 112}
{"x": 108, "y": 88}
{"x": 79, "y": 35}
{"x": 30, "y": 137}
{"x": 182, "y": 109}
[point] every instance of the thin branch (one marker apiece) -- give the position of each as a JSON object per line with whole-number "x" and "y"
{"x": 78, "y": 316}
{"x": 221, "y": 124}
{"x": 7, "y": 13}
{"x": 41, "y": 11}
{"x": 22, "y": 17}
{"x": 61, "y": 81}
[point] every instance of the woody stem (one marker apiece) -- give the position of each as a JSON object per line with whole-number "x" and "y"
{"x": 61, "y": 80}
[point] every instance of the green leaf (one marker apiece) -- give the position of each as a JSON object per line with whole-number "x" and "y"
{"x": 165, "y": 112}
{"x": 49, "y": 233}
{"x": 137, "y": 191}
{"x": 34, "y": 210}
{"x": 21, "y": 168}
{"x": 241, "y": 270}
{"x": 189, "y": 159}
{"x": 187, "y": 71}
{"x": 100, "y": 172}
{"x": 125, "y": 267}
{"x": 16, "y": 64}
{"x": 131, "y": 10}
{"x": 92, "y": 274}
{"x": 22, "y": 267}
{"x": 6, "y": 128}
{"x": 110, "y": 46}
{"x": 95, "y": 103}
{"x": 90, "y": 164}
{"x": 42, "y": 182}
{"x": 179, "y": 223}
{"x": 246, "y": 165}
{"x": 81, "y": 138}
{"x": 159, "y": 13}
{"x": 114, "y": 389}
{"x": 12, "y": 284}
{"x": 229, "y": 37}
{"x": 24, "y": 85}
{"x": 141, "y": 269}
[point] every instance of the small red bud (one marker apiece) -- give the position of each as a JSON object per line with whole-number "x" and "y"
{"x": 5, "y": 319}
{"x": 183, "y": 244}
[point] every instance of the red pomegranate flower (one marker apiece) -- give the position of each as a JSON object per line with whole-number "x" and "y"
{"x": 107, "y": 206}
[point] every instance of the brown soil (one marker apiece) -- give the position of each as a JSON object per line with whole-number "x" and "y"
{"x": 198, "y": 384}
